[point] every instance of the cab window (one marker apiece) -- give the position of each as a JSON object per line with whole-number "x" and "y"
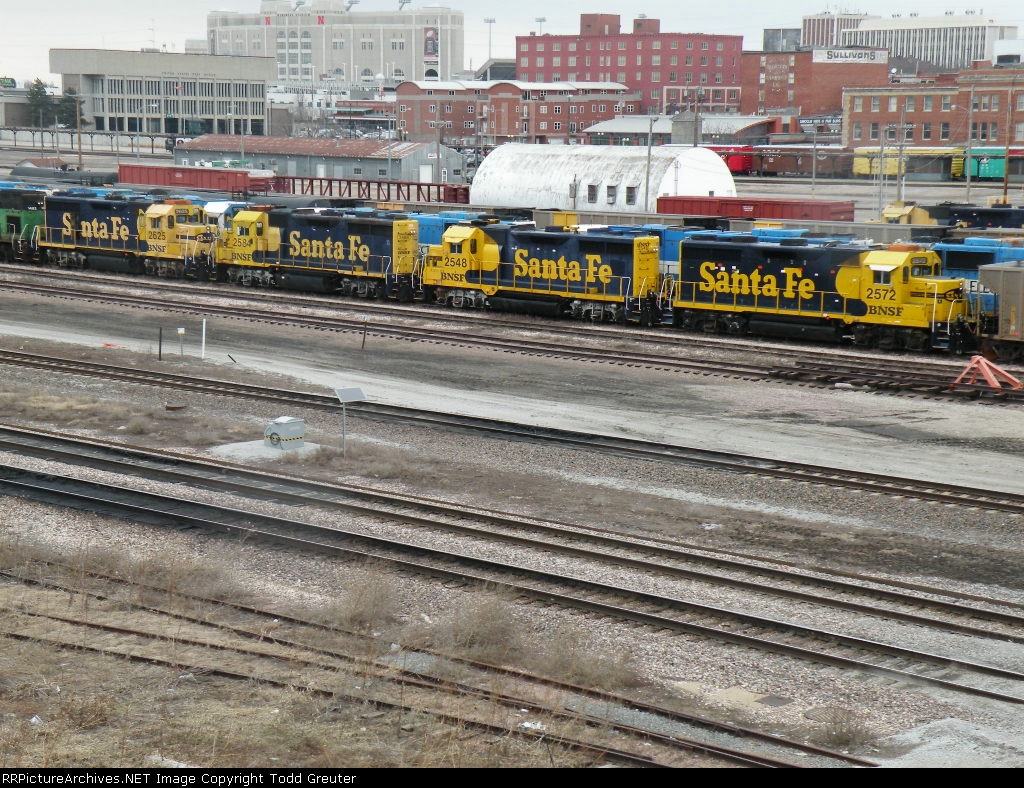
{"x": 883, "y": 277}
{"x": 920, "y": 270}
{"x": 242, "y": 230}
{"x": 170, "y": 221}
{"x": 472, "y": 246}
{"x": 259, "y": 228}
{"x": 154, "y": 224}
{"x": 455, "y": 248}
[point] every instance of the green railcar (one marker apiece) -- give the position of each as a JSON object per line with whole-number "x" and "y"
{"x": 21, "y": 212}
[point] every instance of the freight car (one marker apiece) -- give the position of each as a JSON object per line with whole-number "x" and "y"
{"x": 594, "y": 276}
{"x": 21, "y": 212}
{"x": 825, "y": 161}
{"x": 738, "y": 158}
{"x": 325, "y": 250}
{"x": 964, "y": 257}
{"x": 1002, "y": 330}
{"x": 759, "y": 208}
{"x": 891, "y": 298}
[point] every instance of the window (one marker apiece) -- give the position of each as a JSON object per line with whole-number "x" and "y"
{"x": 572, "y": 109}
{"x": 524, "y": 47}
{"x": 926, "y": 131}
{"x": 612, "y": 194}
{"x": 718, "y": 62}
{"x": 704, "y": 60}
{"x": 629, "y": 108}
{"x": 543, "y": 109}
{"x": 675, "y": 45}
{"x": 572, "y": 62}
{"x": 858, "y": 103}
{"x": 984, "y": 103}
{"x": 556, "y": 61}
{"x": 673, "y": 76}
{"x": 540, "y": 62}
{"x": 366, "y": 45}
{"x": 689, "y": 76}
{"x": 557, "y": 126}
{"x": 995, "y": 104}
{"x": 556, "y": 47}
{"x": 992, "y": 131}
{"x": 703, "y": 79}
{"x": 1020, "y": 102}
{"x": 397, "y": 45}
{"x": 689, "y": 45}
{"x": 856, "y": 131}
{"x": 882, "y": 277}
{"x": 631, "y": 195}
{"x": 432, "y": 108}
{"x": 874, "y": 131}
{"x": 718, "y": 80}
{"x": 639, "y": 60}
{"x": 543, "y": 125}
{"x": 622, "y": 60}
{"x": 656, "y": 45}
{"x": 1018, "y": 133}
{"x": 622, "y": 45}
{"x": 944, "y": 131}
{"x": 720, "y": 46}
{"x": 592, "y": 192}
{"x": 876, "y": 103}
{"x": 926, "y": 103}
{"x": 689, "y": 60}
{"x": 467, "y": 124}
{"x": 540, "y": 48}
{"x": 524, "y": 62}
{"x": 639, "y": 76}
{"x": 639, "y": 44}
{"x": 947, "y": 103}
{"x": 557, "y": 109}
{"x": 703, "y": 44}
{"x": 911, "y": 103}
{"x": 602, "y": 107}
{"x": 470, "y": 109}
{"x": 890, "y": 132}
{"x": 673, "y": 60}
{"x": 447, "y": 108}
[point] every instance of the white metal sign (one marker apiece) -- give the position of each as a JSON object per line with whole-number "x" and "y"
{"x": 850, "y": 56}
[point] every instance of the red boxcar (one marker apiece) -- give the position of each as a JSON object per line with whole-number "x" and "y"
{"x": 222, "y": 180}
{"x": 738, "y": 158}
{"x": 758, "y": 208}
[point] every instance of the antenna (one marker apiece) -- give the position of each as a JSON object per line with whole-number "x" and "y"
{"x": 402, "y": 4}
{"x": 350, "y": 3}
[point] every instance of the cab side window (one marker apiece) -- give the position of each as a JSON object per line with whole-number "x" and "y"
{"x": 472, "y": 246}
{"x": 455, "y": 248}
{"x": 242, "y": 230}
{"x": 154, "y": 224}
{"x": 883, "y": 277}
{"x": 259, "y": 228}
{"x": 170, "y": 221}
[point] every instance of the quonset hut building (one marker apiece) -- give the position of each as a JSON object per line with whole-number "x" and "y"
{"x": 600, "y": 178}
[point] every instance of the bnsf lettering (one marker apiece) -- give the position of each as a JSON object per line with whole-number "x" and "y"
{"x": 328, "y": 249}
{"x": 755, "y": 283}
{"x": 242, "y": 256}
{"x": 561, "y": 269}
{"x": 115, "y": 230}
{"x": 885, "y": 311}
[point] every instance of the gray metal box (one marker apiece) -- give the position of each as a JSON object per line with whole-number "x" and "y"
{"x": 1007, "y": 281}
{"x": 285, "y": 433}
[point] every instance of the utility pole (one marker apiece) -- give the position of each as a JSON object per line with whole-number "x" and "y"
{"x": 814, "y": 158}
{"x": 970, "y": 137}
{"x": 647, "y": 179}
{"x": 1006, "y": 154}
{"x": 881, "y": 172}
{"x": 437, "y": 116}
{"x": 900, "y": 167}
{"x": 78, "y": 107}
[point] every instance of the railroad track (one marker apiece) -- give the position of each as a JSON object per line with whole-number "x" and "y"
{"x": 659, "y": 612}
{"x": 895, "y": 486}
{"x": 892, "y": 377}
{"x": 606, "y": 712}
{"x": 675, "y": 560}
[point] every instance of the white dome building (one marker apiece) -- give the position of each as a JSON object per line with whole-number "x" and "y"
{"x": 597, "y": 177}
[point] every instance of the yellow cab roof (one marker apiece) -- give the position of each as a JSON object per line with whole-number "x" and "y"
{"x": 884, "y": 260}
{"x": 458, "y": 232}
{"x": 248, "y": 216}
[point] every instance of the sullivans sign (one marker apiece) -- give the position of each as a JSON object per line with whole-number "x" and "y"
{"x": 850, "y": 56}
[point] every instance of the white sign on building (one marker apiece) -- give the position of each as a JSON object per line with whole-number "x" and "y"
{"x": 850, "y": 56}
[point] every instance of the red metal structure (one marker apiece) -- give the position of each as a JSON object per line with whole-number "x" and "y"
{"x": 244, "y": 182}
{"x": 993, "y": 375}
{"x": 376, "y": 191}
{"x": 738, "y": 158}
{"x": 758, "y": 208}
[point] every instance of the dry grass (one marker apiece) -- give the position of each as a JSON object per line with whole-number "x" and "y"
{"x": 370, "y": 460}
{"x": 575, "y": 655}
{"x": 845, "y": 728}
{"x": 117, "y": 418}
{"x": 370, "y": 602}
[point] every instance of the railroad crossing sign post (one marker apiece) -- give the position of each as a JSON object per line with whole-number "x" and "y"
{"x": 345, "y": 396}
{"x": 181, "y": 343}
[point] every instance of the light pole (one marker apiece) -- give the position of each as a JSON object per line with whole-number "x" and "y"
{"x": 489, "y": 22}
{"x": 1006, "y": 154}
{"x": 970, "y": 138}
{"x": 540, "y": 20}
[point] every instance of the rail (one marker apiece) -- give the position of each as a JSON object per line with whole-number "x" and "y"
{"x": 377, "y": 191}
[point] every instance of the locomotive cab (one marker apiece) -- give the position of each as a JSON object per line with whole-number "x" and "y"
{"x": 466, "y": 261}
{"x": 903, "y": 298}
{"x": 246, "y": 238}
{"x": 178, "y": 241}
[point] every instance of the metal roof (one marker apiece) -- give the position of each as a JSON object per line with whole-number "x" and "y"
{"x": 487, "y": 85}
{"x": 302, "y": 146}
{"x": 638, "y": 124}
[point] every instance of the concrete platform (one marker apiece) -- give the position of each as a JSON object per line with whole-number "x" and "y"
{"x": 248, "y": 451}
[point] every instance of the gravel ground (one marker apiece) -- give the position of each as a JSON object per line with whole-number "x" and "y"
{"x": 949, "y": 547}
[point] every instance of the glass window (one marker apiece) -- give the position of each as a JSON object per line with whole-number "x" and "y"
{"x": 926, "y": 131}
{"x": 943, "y": 131}
{"x": 858, "y": 103}
{"x": 631, "y": 195}
{"x": 882, "y": 277}
{"x": 612, "y": 192}
{"x": 911, "y": 103}
{"x": 856, "y": 131}
{"x": 947, "y": 103}
{"x": 592, "y": 192}
{"x": 893, "y": 102}
{"x": 926, "y": 103}
{"x": 876, "y": 103}
{"x": 874, "y": 131}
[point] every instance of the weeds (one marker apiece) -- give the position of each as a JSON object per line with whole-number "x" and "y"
{"x": 370, "y": 602}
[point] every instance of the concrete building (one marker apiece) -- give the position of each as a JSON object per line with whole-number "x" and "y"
{"x": 951, "y": 42}
{"x": 665, "y": 68}
{"x": 14, "y": 104}
{"x": 597, "y": 177}
{"x": 326, "y": 158}
{"x": 939, "y": 114}
{"x": 485, "y": 114}
{"x": 323, "y": 40}
{"x": 826, "y": 29}
{"x": 167, "y": 93}
{"x": 808, "y": 83}
{"x": 729, "y": 129}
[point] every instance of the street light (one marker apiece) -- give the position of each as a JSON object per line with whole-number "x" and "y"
{"x": 489, "y": 22}
{"x": 540, "y": 20}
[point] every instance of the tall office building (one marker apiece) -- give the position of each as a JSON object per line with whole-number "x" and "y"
{"x": 951, "y": 42}
{"x": 826, "y": 29}
{"x": 325, "y": 40}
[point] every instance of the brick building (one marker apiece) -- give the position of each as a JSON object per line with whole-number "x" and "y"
{"x": 485, "y": 114}
{"x": 808, "y": 83}
{"x": 666, "y": 68}
{"x": 937, "y": 114}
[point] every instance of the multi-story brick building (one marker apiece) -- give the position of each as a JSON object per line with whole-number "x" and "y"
{"x": 808, "y": 82}
{"x": 668, "y": 69}
{"x": 939, "y": 114}
{"x": 485, "y": 114}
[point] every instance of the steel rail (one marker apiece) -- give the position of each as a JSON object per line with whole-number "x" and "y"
{"x": 653, "y": 618}
{"x": 901, "y": 487}
{"x": 215, "y": 475}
